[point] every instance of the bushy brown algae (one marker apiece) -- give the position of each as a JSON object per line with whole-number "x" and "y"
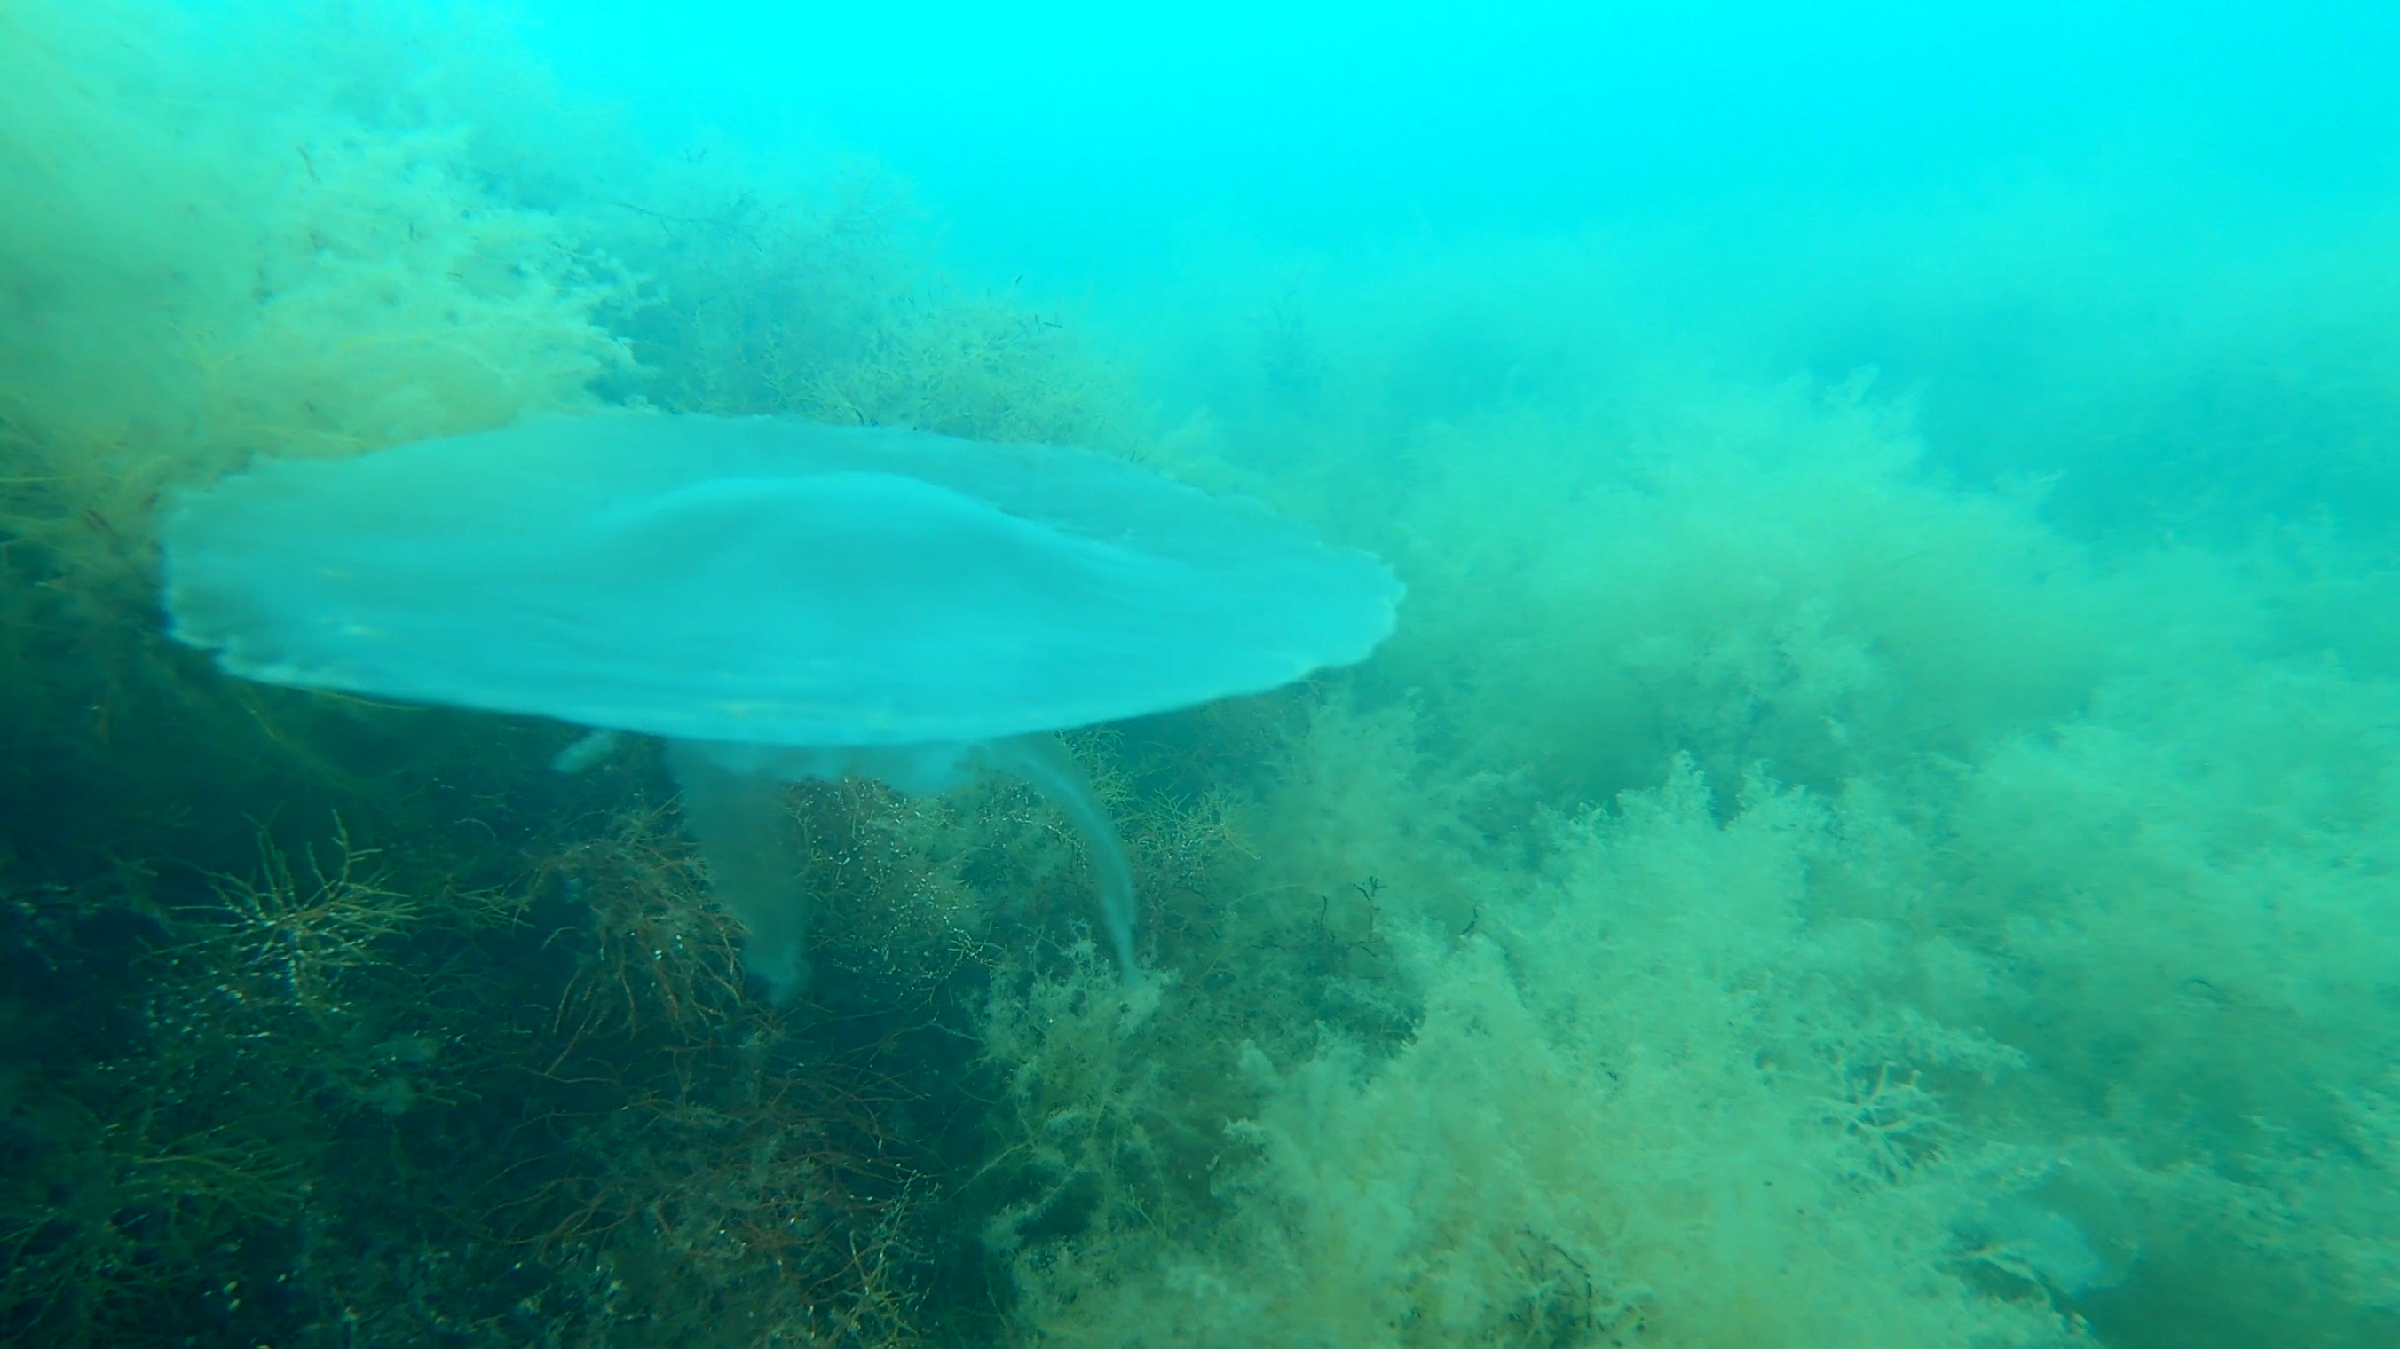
{"x": 1692, "y": 930}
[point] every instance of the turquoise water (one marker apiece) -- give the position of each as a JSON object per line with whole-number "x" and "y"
{"x": 1876, "y": 825}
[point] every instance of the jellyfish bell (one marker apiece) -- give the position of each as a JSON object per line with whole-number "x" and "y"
{"x": 779, "y": 600}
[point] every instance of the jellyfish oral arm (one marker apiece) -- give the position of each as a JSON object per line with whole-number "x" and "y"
{"x": 732, "y": 805}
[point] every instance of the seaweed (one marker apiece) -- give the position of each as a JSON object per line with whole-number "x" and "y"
{"x": 1770, "y": 892}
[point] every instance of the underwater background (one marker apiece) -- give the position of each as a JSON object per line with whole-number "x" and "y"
{"x": 1877, "y": 825}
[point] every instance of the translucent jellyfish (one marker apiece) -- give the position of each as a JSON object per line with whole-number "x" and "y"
{"x": 779, "y": 600}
